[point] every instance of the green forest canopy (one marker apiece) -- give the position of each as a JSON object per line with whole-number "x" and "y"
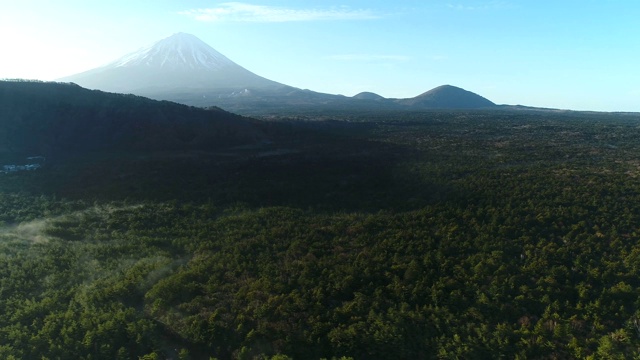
{"x": 435, "y": 235}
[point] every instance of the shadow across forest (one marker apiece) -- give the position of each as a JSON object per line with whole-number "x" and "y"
{"x": 323, "y": 165}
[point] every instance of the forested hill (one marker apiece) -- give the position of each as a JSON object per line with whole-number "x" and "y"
{"x": 44, "y": 117}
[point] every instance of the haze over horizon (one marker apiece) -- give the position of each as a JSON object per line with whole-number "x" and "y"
{"x": 569, "y": 55}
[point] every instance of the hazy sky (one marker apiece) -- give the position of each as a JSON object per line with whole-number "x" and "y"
{"x": 581, "y": 55}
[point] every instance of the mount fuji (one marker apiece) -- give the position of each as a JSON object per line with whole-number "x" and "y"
{"x": 180, "y": 65}
{"x": 184, "y": 69}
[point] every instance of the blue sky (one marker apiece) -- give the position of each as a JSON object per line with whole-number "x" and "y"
{"x": 581, "y": 55}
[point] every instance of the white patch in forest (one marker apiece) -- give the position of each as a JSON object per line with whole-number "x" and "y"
{"x": 30, "y": 231}
{"x": 34, "y": 231}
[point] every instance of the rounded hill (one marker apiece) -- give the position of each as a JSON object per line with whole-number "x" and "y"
{"x": 368, "y": 96}
{"x": 448, "y": 97}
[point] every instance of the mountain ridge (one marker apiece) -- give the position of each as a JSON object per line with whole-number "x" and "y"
{"x": 45, "y": 117}
{"x": 184, "y": 69}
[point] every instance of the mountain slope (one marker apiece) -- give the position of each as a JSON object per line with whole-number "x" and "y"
{"x": 448, "y": 97}
{"x": 41, "y": 118}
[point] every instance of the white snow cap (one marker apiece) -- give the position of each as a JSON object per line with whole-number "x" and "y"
{"x": 179, "y": 51}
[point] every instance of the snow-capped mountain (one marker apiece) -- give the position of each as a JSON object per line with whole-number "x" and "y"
{"x": 178, "y": 52}
{"x": 179, "y": 64}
